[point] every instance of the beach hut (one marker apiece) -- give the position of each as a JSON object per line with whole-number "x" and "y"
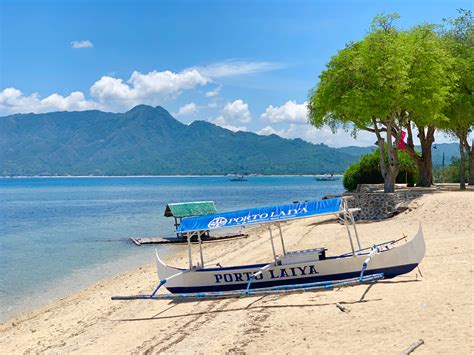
{"x": 189, "y": 209}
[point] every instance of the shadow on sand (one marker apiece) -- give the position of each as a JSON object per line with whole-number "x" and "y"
{"x": 252, "y": 305}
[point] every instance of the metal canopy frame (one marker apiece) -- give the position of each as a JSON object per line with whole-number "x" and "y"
{"x": 345, "y": 215}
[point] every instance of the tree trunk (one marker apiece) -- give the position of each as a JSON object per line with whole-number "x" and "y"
{"x": 424, "y": 163}
{"x": 470, "y": 151}
{"x": 393, "y": 162}
{"x": 462, "y": 164}
{"x": 471, "y": 167}
{"x": 425, "y": 169}
{"x": 388, "y": 179}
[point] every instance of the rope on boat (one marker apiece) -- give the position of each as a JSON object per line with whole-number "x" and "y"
{"x": 315, "y": 286}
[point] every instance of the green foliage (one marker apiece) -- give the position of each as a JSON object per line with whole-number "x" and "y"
{"x": 430, "y": 76}
{"x": 458, "y": 37}
{"x": 386, "y": 81}
{"x": 149, "y": 141}
{"x": 385, "y": 75}
{"x": 367, "y": 171}
{"x": 449, "y": 173}
{"x": 365, "y": 80}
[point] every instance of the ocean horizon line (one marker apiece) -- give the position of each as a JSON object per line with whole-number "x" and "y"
{"x": 147, "y": 176}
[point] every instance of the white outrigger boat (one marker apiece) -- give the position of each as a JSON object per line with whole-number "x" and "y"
{"x": 291, "y": 271}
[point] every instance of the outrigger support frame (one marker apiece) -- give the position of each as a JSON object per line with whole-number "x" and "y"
{"x": 315, "y": 286}
{"x": 281, "y": 238}
{"x": 189, "y": 235}
{"x": 348, "y": 219}
{"x": 273, "y": 244}
{"x": 254, "y": 275}
{"x": 190, "y": 256}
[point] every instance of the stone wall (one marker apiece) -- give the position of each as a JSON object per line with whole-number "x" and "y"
{"x": 379, "y": 205}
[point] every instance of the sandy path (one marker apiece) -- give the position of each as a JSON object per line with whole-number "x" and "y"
{"x": 386, "y": 317}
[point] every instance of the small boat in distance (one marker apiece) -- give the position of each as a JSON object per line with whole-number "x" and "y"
{"x": 296, "y": 271}
{"x": 239, "y": 178}
{"x": 326, "y": 177}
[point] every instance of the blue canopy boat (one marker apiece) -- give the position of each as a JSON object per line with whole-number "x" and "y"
{"x": 290, "y": 270}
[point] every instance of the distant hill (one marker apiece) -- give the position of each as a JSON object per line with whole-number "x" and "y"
{"x": 356, "y": 151}
{"x": 449, "y": 149}
{"x": 149, "y": 141}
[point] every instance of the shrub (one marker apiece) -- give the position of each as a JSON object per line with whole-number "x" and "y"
{"x": 450, "y": 173}
{"x": 367, "y": 171}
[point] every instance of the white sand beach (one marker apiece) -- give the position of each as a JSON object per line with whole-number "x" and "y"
{"x": 386, "y": 317}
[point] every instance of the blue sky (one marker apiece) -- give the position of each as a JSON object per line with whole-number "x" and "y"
{"x": 241, "y": 64}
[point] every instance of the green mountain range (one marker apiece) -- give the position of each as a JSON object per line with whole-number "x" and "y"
{"x": 149, "y": 141}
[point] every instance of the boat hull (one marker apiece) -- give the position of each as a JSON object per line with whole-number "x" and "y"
{"x": 392, "y": 262}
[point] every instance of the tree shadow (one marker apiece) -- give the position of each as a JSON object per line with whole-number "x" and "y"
{"x": 174, "y": 303}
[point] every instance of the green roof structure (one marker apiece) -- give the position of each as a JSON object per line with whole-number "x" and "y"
{"x": 188, "y": 209}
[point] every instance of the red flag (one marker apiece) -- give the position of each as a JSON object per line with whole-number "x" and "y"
{"x": 401, "y": 142}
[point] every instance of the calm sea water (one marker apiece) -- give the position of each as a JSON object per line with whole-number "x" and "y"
{"x": 58, "y": 235}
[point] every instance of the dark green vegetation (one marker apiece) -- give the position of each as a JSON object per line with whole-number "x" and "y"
{"x": 450, "y": 172}
{"x": 149, "y": 141}
{"x": 367, "y": 171}
{"x": 395, "y": 81}
{"x": 458, "y": 36}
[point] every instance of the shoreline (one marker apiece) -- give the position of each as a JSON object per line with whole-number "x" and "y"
{"x": 62, "y": 288}
{"x": 152, "y": 176}
{"x": 384, "y": 317}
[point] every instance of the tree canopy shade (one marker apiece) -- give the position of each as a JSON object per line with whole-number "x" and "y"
{"x": 458, "y": 37}
{"x": 389, "y": 80}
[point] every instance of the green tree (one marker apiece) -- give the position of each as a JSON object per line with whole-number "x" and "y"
{"x": 363, "y": 85}
{"x": 388, "y": 81}
{"x": 458, "y": 35}
{"x": 430, "y": 81}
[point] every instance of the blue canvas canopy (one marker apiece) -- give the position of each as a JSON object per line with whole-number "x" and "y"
{"x": 260, "y": 215}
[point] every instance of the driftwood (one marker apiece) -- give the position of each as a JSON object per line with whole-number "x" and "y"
{"x": 342, "y": 308}
{"x": 413, "y": 346}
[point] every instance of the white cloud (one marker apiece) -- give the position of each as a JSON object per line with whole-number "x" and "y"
{"x": 233, "y": 115}
{"x": 267, "y": 130}
{"x": 220, "y": 121}
{"x": 237, "y": 67}
{"x": 13, "y": 101}
{"x": 153, "y": 88}
{"x": 115, "y": 94}
{"x": 290, "y": 112}
{"x": 324, "y": 135}
{"x": 82, "y": 44}
{"x": 187, "y": 110}
{"x": 214, "y": 92}
{"x": 237, "y": 111}
{"x": 340, "y": 139}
